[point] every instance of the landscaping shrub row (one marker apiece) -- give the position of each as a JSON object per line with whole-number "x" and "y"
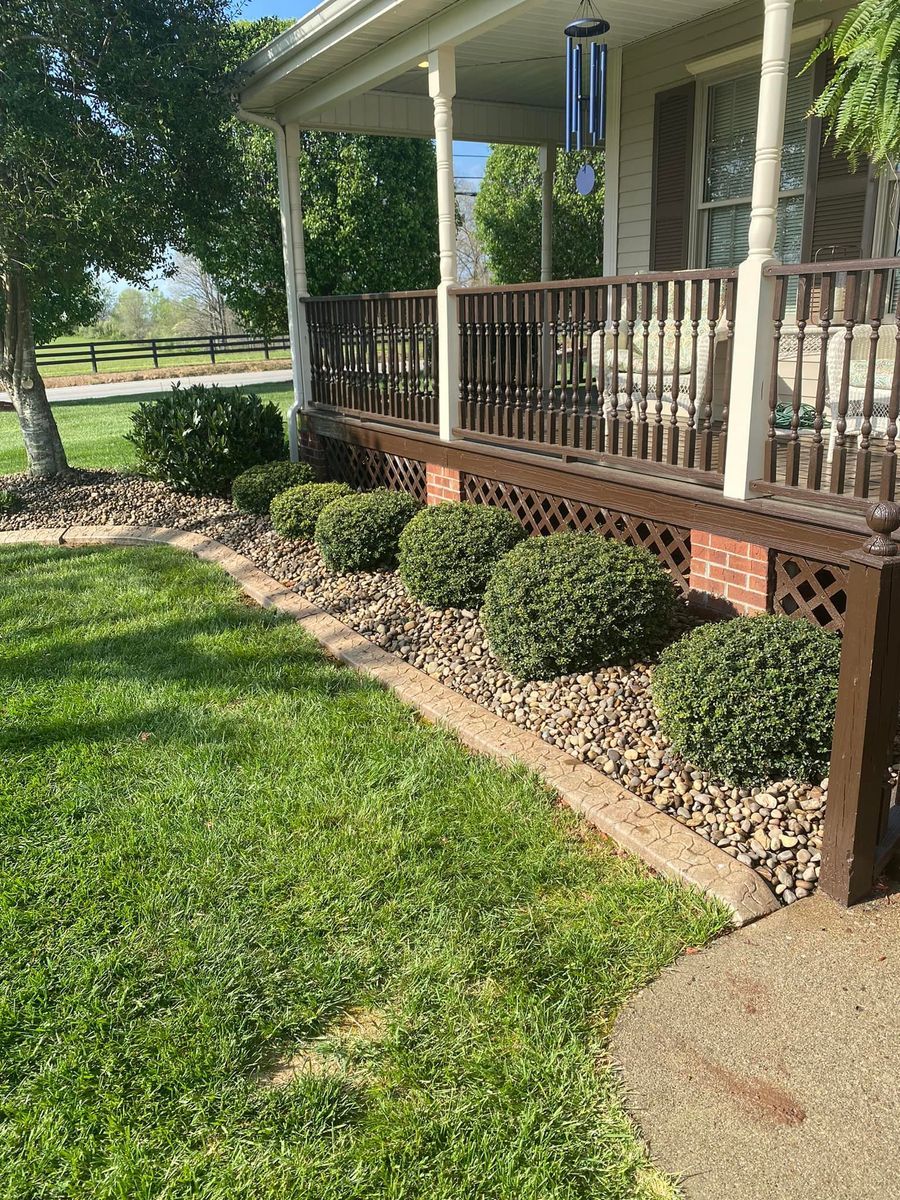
{"x": 748, "y": 699}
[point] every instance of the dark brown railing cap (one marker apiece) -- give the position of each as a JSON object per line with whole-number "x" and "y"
{"x": 883, "y": 519}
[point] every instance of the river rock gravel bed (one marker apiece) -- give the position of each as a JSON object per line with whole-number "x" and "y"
{"x": 604, "y": 718}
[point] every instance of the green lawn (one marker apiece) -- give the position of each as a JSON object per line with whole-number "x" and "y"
{"x": 222, "y": 852}
{"x": 93, "y": 430}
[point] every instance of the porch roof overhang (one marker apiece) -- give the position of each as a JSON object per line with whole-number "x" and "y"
{"x": 354, "y": 64}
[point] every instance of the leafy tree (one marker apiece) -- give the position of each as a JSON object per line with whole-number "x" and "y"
{"x": 369, "y": 214}
{"x": 112, "y": 119}
{"x": 508, "y": 217}
{"x": 861, "y": 103}
{"x": 132, "y": 314}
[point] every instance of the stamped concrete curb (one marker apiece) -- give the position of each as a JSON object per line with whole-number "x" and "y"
{"x": 662, "y": 842}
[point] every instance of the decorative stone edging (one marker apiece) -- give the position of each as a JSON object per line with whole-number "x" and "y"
{"x": 662, "y": 842}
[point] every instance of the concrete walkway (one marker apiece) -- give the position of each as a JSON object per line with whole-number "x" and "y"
{"x": 141, "y": 387}
{"x": 764, "y": 1067}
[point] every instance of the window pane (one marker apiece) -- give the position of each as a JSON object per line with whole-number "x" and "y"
{"x": 790, "y": 229}
{"x": 793, "y": 156}
{"x": 727, "y": 230}
{"x": 731, "y": 138}
{"x": 731, "y": 135}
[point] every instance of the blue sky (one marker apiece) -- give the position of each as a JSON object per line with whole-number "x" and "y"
{"x": 469, "y": 156}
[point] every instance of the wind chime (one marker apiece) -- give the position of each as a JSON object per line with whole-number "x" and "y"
{"x": 586, "y": 89}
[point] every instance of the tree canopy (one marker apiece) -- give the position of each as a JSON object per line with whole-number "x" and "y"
{"x": 508, "y": 217}
{"x": 112, "y": 118}
{"x": 861, "y": 103}
{"x": 369, "y": 214}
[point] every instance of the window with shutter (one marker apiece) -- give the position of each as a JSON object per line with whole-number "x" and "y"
{"x": 673, "y": 137}
{"x": 729, "y": 151}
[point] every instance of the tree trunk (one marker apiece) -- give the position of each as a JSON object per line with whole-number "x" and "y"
{"x": 20, "y": 377}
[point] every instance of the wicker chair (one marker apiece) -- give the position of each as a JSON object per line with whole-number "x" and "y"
{"x": 615, "y": 366}
{"x": 858, "y": 347}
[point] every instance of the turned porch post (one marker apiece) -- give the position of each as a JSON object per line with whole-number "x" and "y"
{"x": 753, "y": 340}
{"x": 547, "y": 163}
{"x": 442, "y": 89}
{"x": 287, "y": 154}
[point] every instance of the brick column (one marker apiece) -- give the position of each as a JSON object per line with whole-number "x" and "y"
{"x": 442, "y": 483}
{"x": 310, "y": 449}
{"x": 728, "y": 576}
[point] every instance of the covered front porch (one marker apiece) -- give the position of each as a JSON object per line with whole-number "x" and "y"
{"x": 710, "y": 361}
{"x": 726, "y": 395}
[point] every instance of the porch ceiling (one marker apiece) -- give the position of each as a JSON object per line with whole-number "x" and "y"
{"x": 507, "y": 51}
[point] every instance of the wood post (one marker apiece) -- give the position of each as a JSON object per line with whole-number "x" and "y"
{"x": 856, "y": 819}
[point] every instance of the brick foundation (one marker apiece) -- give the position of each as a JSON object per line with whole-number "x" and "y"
{"x": 728, "y": 576}
{"x": 309, "y": 446}
{"x": 442, "y": 483}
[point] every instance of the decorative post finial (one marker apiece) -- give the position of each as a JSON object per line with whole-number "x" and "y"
{"x": 883, "y": 519}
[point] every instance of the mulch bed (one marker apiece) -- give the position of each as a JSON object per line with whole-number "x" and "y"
{"x": 605, "y": 718}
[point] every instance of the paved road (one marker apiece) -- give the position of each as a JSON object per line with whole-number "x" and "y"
{"x": 764, "y": 1067}
{"x": 140, "y": 387}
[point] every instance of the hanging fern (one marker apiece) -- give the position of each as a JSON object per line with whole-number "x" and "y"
{"x": 861, "y": 103}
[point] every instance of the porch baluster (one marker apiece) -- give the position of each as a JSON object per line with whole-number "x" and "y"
{"x": 677, "y": 320}
{"x": 770, "y": 458}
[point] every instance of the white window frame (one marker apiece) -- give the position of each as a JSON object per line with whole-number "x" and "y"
{"x": 699, "y": 207}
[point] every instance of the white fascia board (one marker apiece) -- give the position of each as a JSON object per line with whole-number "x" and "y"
{"x": 398, "y": 114}
{"x": 308, "y": 39}
{"x": 456, "y": 24}
{"x": 805, "y": 32}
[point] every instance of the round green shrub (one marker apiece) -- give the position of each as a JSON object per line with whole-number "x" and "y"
{"x": 362, "y": 532}
{"x": 198, "y": 439}
{"x": 448, "y": 551}
{"x": 10, "y": 502}
{"x": 295, "y": 512}
{"x": 574, "y": 602}
{"x": 254, "y": 490}
{"x": 750, "y": 699}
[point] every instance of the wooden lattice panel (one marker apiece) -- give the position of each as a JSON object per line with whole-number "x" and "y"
{"x": 813, "y": 590}
{"x": 364, "y": 468}
{"x": 541, "y": 513}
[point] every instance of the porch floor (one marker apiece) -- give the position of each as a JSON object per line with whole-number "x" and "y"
{"x": 761, "y": 1067}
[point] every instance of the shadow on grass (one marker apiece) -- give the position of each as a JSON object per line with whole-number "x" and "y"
{"x": 226, "y": 644}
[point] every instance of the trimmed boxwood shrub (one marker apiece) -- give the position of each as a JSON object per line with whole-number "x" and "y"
{"x": 362, "y": 532}
{"x": 295, "y": 512}
{"x": 198, "y": 439}
{"x": 254, "y": 490}
{"x": 448, "y": 551}
{"x": 574, "y": 602}
{"x": 752, "y": 698}
{"x": 10, "y": 503}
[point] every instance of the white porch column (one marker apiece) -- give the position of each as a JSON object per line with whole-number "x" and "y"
{"x": 442, "y": 89}
{"x": 547, "y": 164}
{"x": 753, "y": 341}
{"x": 611, "y": 161}
{"x": 287, "y": 152}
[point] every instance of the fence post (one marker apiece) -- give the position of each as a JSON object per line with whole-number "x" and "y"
{"x": 212, "y": 349}
{"x": 93, "y": 358}
{"x": 866, "y": 718}
{"x": 154, "y": 352}
{"x": 266, "y": 345}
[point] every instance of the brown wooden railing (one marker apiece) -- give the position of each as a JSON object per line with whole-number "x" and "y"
{"x": 375, "y": 355}
{"x": 633, "y": 367}
{"x": 834, "y": 394}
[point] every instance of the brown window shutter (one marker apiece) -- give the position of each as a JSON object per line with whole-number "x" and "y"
{"x": 673, "y": 143}
{"x": 839, "y": 209}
